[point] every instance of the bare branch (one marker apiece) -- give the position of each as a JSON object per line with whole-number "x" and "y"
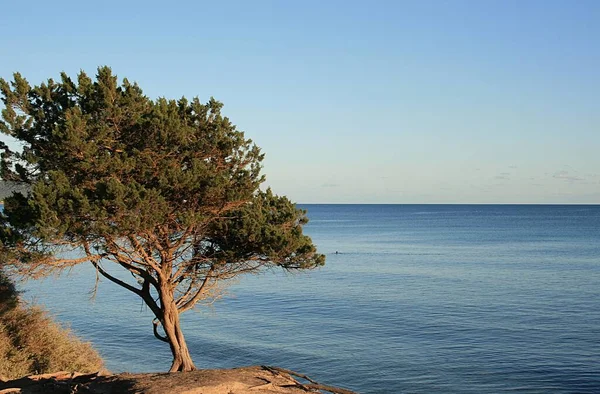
{"x": 138, "y": 271}
{"x": 151, "y": 302}
{"x": 182, "y": 238}
{"x": 118, "y": 250}
{"x": 228, "y": 271}
{"x": 187, "y": 292}
{"x": 155, "y": 323}
{"x": 62, "y": 263}
{"x": 192, "y": 301}
{"x": 122, "y": 260}
{"x": 140, "y": 249}
{"x": 95, "y": 291}
{"x": 180, "y": 274}
{"x": 115, "y": 280}
{"x": 156, "y": 244}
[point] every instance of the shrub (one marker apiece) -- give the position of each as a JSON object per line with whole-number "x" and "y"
{"x": 31, "y": 343}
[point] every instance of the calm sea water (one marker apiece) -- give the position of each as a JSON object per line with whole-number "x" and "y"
{"x": 418, "y": 299}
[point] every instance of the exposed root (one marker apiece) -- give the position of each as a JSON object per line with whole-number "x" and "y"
{"x": 309, "y": 387}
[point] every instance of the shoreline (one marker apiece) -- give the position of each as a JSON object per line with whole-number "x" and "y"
{"x": 251, "y": 380}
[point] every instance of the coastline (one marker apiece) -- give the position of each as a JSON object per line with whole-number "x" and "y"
{"x": 253, "y": 379}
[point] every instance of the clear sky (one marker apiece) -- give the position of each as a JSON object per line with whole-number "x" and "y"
{"x": 359, "y": 102}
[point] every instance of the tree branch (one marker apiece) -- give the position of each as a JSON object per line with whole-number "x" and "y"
{"x": 179, "y": 275}
{"x": 182, "y": 238}
{"x": 155, "y": 323}
{"x": 94, "y": 260}
{"x": 192, "y": 301}
{"x": 122, "y": 261}
{"x": 147, "y": 297}
{"x": 188, "y": 291}
{"x": 140, "y": 249}
{"x": 115, "y": 280}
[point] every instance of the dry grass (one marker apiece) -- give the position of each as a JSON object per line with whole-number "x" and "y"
{"x": 31, "y": 343}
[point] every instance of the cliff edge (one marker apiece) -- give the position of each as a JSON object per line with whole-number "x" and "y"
{"x": 246, "y": 380}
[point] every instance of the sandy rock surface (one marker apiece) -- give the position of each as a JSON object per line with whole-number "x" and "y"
{"x": 247, "y": 380}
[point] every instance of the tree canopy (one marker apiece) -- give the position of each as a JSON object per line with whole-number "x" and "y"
{"x": 168, "y": 190}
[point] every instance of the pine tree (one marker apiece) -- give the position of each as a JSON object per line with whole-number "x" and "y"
{"x": 167, "y": 190}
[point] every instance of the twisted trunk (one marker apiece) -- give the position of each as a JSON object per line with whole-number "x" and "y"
{"x": 182, "y": 361}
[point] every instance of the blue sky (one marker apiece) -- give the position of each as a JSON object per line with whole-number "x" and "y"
{"x": 359, "y": 102}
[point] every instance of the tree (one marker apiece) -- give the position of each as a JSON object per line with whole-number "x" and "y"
{"x": 167, "y": 190}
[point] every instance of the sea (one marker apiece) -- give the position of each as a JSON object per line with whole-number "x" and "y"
{"x": 412, "y": 299}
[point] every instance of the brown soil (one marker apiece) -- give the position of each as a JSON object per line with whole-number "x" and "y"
{"x": 246, "y": 380}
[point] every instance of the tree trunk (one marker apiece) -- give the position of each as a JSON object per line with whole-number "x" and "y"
{"x": 182, "y": 361}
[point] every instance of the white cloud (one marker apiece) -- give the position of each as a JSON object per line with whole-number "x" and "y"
{"x": 566, "y": 176}
{"x": 503, "y": 175}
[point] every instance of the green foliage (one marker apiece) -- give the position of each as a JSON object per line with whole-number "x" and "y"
{"x": 270, "y": 226}
{"x": 103, "y": 159}
{"x": 166, "y": 189}
{"x": 31, "y": 343}
{"x": 8, "y": 295}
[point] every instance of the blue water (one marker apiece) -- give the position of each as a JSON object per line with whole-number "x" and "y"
{"x": 419, "y": 299}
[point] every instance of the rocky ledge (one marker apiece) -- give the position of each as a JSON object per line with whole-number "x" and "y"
{"x": 250, "y": 380}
